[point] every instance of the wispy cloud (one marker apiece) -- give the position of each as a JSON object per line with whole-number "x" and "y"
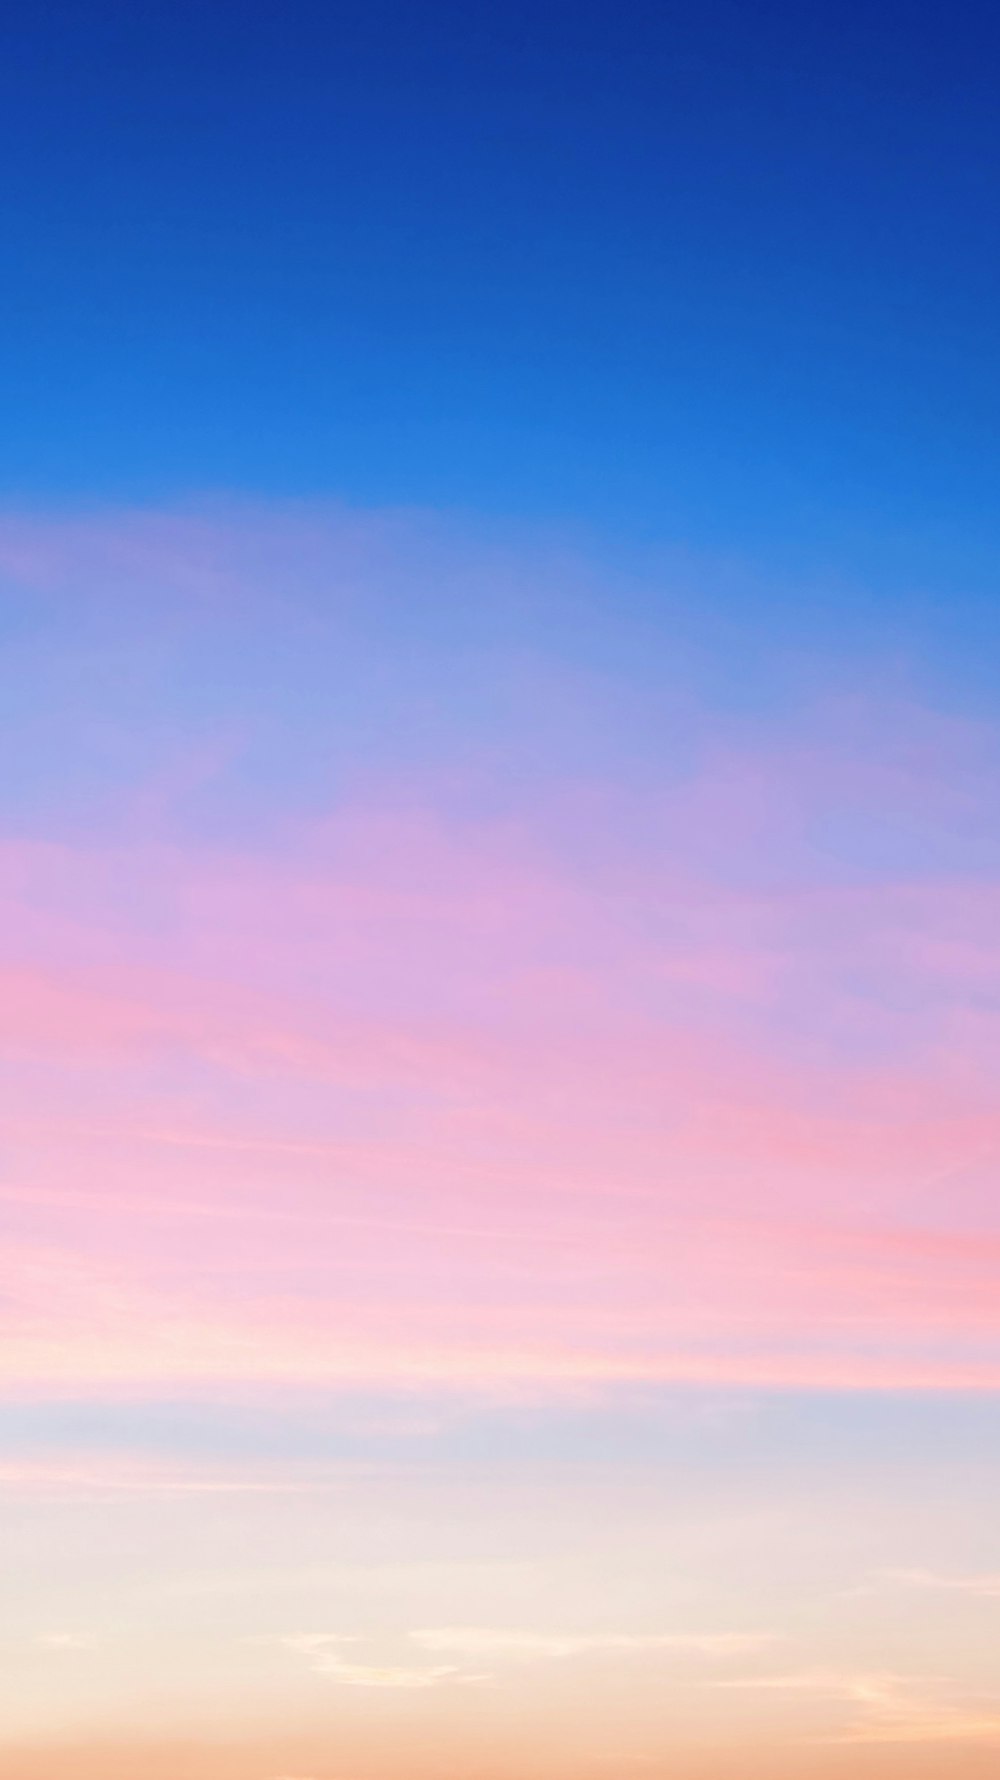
{"x": 323, "y": 1653}
{"x": 126, "y": 1474}
{"x": 495, "y": 1641}
{"x": 889, "y": 1708}
{"x": 985, "y": 1585}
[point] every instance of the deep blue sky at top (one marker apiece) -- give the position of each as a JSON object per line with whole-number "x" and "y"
{"x": 724, "y": 272}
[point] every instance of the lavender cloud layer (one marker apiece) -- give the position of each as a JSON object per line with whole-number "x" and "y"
{"x": 498, "y": 1174}
{"x": 484, "y": 998}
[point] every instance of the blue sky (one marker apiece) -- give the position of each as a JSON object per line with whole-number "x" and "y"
{"x": 717, "y": 273}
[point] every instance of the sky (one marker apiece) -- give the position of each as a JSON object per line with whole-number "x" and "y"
{"x": 499, "y": 892}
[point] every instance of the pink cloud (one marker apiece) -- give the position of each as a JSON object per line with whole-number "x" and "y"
{"x": 610, "y": 1074}
{"x": 501, "y": 1171}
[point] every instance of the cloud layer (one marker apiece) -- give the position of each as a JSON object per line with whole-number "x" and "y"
{"x": 459, "y": 1003}
{"x": 659, "y": 1065}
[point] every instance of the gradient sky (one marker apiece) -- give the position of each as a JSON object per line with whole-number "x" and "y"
{"x": 500, "y": 887}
